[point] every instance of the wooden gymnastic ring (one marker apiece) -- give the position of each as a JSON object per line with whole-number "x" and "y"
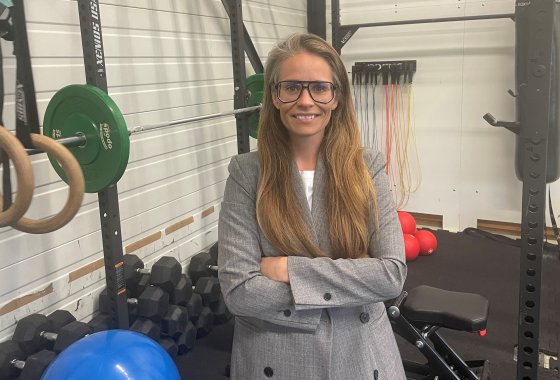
{"x": 24, "y": 174}
{"x": 75, "y": 191}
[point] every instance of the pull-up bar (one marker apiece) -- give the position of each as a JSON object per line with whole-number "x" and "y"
{"x": 342, "y": 33}
{"x": 431, "y": 20}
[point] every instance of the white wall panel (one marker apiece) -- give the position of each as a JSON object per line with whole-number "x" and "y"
{"x": 166, "y": 60}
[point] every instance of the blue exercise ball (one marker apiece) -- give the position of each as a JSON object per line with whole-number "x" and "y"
{"x": 113, "y": 355}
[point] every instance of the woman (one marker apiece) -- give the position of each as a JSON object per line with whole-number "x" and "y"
{"x": 309, "y": 238}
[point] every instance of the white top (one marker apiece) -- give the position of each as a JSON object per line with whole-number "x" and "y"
{"x": 307, "y": 177}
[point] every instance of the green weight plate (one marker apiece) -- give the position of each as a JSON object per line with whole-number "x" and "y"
{"x": 86, "y": 110}
{"x": 253, "y": 119}
{"x": 255, "y": 86}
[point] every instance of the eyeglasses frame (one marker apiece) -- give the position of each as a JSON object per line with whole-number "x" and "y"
{"x": 304, "y": 87}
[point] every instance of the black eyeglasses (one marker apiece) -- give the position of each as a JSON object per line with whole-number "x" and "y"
{"x": 288, "y": 91}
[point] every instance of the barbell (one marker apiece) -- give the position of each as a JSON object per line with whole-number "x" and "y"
{"x": 87, "y": 141}
{"x": 91, "y": 121}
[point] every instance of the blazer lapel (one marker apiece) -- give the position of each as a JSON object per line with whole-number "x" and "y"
{"x": 318, "y": 207}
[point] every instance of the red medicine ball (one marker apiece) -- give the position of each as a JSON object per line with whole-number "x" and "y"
{"x": 411, "y": 247}
{"x": 427, "y": 241}
{"x": 408, "y": 223}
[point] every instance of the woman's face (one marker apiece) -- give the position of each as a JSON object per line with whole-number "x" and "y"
{"x": 305, "y": 118}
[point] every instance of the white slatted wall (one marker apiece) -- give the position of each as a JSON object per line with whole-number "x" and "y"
{"x": 166, "y": 59}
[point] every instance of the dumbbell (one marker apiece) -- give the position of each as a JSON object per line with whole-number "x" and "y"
{"x": 182, "y": 292}
{"x": 142, "y": 284}
{"x": 213, "y": 251}
{"x": 202, "y": 265}
{"x": 186, "y": 341}
{"x": 102, "y": 322}
{"x": 32, "y": 333}
{"x": 220, "y": 310}
{"x": 59, "y": 318}
{"x": 152, "y": 303}
{"x": 205, "y": 293}
{"x": 53, "y": 322}
{"x": 205, "y": 322}
{"x": 147, "y": 327}
{"x": 207, "y": 287}
{"x": 13, "y": 361}
{"x": 165, "y": 272}
{"x": 169, "y": 345}
{"x": 175, "y": 321}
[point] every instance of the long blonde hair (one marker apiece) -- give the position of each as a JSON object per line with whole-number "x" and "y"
{"x": 350, "y": 195}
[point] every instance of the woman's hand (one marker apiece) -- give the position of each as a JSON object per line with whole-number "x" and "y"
{"x": 275, "y": 268}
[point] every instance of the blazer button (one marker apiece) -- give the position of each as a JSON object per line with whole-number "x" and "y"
{"x": 268, "y": 372}
{"x": 327, "y": 296}
{"x": 287, "y": 313}
{"x": 364, "y": 317}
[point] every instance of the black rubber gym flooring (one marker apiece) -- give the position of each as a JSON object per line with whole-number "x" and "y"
{"x": 469, "y": 261}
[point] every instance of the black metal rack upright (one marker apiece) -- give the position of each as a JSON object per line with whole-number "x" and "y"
{"x": 241, "y": 43}
{"x": 316, "y": 17}
{"x": 94, "y": 60}
{"x": 534, "y": 28}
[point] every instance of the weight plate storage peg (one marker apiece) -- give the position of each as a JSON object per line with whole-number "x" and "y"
{"x": 85, "y": 110}
{"x": 255, "y": 86}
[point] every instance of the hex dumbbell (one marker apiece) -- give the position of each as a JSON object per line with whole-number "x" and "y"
{"x": 202, "y": 265}
{"x": 169, "y": 345}
{"x": 102, "y": 322}
{"x": 204, "y": 323}
{"x": 221, "y": 312}
{"x": 207, "y": 287}
{"x": 147, "y": 327}
{"x": 186, "y": 341}
{"x": 59, "y": 318}
{"x": 32, "y": 334}
{"x": 182, "y": 292}
{"x": 175, "y": 321}
{"x": 53, "y": 323}
{"x": 13, "y": 362}
{"x": 213, "y": 251}
{"x": 165, "y": 272}
{"x": 152, "y": 303}
{"x": 198, "y": 310}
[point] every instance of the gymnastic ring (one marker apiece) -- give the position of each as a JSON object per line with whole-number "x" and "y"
{"x": 24, "y": 174}
{"x": 75, "y": 191}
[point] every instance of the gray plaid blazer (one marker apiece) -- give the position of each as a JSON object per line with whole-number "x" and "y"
{"x": 330, "y": 322}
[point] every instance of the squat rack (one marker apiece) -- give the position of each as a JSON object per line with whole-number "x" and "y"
{"x": 534, "y": 25}
{"x": 95, "y": 70}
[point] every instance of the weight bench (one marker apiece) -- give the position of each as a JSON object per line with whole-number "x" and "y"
{"x": 416, "y": 316}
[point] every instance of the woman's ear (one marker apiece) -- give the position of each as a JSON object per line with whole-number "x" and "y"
{"x": 274, "y": 99}
{"x": 334, "y": 104}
